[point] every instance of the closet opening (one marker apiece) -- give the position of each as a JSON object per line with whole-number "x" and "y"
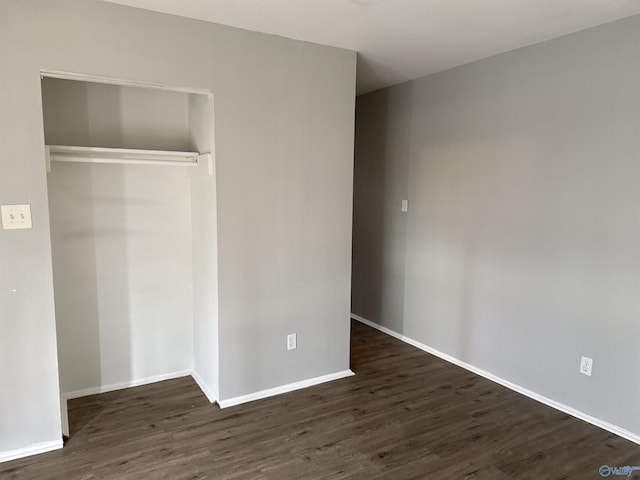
{"x": 132, "y": 207}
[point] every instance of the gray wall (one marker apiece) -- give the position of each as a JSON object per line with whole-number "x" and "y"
{"x": 284, "y": 152}
{"x": 521, "y": 248}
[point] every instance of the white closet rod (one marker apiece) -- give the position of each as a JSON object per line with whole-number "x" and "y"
{"x": 63, "y": 153}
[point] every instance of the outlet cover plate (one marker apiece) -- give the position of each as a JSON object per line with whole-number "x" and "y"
{"x": 586, "y": 364}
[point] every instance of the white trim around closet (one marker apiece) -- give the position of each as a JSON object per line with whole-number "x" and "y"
{"x": 83, "y": 77}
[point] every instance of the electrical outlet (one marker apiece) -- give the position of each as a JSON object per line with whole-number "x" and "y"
{"x": 585, "y": 365}
{"x": 16, "y": 216}
{"x": 292, "y": 341}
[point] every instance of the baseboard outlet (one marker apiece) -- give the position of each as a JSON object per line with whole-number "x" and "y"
{"x": 34, "y": 449}
{"x": 633, "y": 437}
{"x": 284, "y": 389}
{"x": 119, "y": 386}
{"x": 203, "y": 386}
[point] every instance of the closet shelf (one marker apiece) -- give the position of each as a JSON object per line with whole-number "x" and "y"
{"x": 65, "y": 153}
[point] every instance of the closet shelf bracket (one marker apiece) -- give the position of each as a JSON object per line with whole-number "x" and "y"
{"x": 207, "y": 158}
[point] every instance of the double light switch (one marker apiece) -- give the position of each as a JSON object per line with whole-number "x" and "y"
{"x": 16, "y": 216}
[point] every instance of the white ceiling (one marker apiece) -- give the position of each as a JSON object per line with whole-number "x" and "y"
{"x": 399, "y": 40}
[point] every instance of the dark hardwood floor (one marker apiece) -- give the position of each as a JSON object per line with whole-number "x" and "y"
{"x": 405, "y": 415}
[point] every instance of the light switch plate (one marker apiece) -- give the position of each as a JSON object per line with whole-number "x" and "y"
{"x": 292, "y": 341}
{"x": 405, "y": 205}
{"x": 16, "y": 216}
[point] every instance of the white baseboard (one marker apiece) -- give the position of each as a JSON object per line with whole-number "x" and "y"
{"x": 34, "y": 449}
{"x": 119, "y": 386}
{"x": 284, "y": 389}
{"x": 633, "y": 437}
{"x": 204, "y": 387}
{"x": 48, "y": 446}
{"x": 110, "y": 388}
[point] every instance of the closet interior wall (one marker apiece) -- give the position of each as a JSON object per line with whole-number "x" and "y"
{"x": 133, "y": 246}
{"x": 204, "y": 248}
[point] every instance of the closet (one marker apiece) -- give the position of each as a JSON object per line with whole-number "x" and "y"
{"x": 131, "y": 185}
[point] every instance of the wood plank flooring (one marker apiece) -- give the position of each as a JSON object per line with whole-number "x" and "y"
{"x": 405, "y": 415}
